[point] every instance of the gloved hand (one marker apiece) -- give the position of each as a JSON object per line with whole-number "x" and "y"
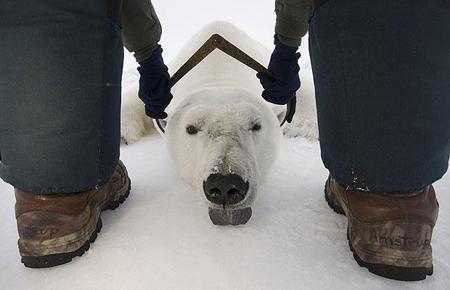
{"x": 154, "y": 89}
{"x": 284, "y": 65}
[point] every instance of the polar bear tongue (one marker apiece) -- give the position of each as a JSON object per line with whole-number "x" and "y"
{"x": 233, "y": 217}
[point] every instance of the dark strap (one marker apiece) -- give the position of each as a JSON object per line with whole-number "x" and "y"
{"x": 217, "y": 41}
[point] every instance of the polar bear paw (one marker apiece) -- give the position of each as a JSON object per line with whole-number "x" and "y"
{"x": 134, "y": 123}
{"x": 302, "y": 128}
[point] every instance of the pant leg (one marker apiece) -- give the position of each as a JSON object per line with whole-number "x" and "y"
{"x": 60, "y": 76}
{"x": 382, "y": 76}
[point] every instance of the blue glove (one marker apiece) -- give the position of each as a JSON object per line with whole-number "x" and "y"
{"x": 284, "y": 65}
{"x": 154, "y": 88}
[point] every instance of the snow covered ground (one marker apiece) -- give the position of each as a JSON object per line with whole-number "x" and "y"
{"x": 162, "y": 238}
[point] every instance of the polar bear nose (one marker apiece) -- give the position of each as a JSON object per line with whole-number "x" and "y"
{"x": 225, "y": 189}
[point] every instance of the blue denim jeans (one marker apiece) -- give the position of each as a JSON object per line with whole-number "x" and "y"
{"x": 382, "y": 76}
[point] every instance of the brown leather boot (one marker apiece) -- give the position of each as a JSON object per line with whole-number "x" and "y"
{"x": 389, "y": 235}
{"x": 55, "y": 228}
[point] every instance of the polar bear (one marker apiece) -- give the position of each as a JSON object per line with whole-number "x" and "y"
{"x": 221, "y": 134}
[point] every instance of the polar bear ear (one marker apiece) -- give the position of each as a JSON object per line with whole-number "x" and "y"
{"x": 280, "y": 112}
{"x": 163, "y": 123}
{"x": 160, "y": 126}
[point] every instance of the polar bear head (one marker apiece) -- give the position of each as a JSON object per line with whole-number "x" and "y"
{"x": 224, "y": 142}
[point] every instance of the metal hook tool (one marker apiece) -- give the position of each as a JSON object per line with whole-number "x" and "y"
{"x": 217, "y": 41}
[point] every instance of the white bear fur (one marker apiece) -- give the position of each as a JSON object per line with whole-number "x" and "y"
{"x": 222, "y": 97}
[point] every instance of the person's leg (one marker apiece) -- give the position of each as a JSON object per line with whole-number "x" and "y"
{"x": 60, "y": 80}
{"x": 381, "y": 72}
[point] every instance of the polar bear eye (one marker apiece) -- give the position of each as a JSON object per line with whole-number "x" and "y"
{"x": 256, "y": 127}
{"x": 191, "y": 130}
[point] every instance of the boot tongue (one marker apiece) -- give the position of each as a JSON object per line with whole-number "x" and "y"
{"x": 221, "y": 217}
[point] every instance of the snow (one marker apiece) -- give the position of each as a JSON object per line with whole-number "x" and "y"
{"x": 162, "y": 238}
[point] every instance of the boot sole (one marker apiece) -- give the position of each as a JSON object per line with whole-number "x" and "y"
{"x": 386, "y": 271}
{"x": 63, "y": 258}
